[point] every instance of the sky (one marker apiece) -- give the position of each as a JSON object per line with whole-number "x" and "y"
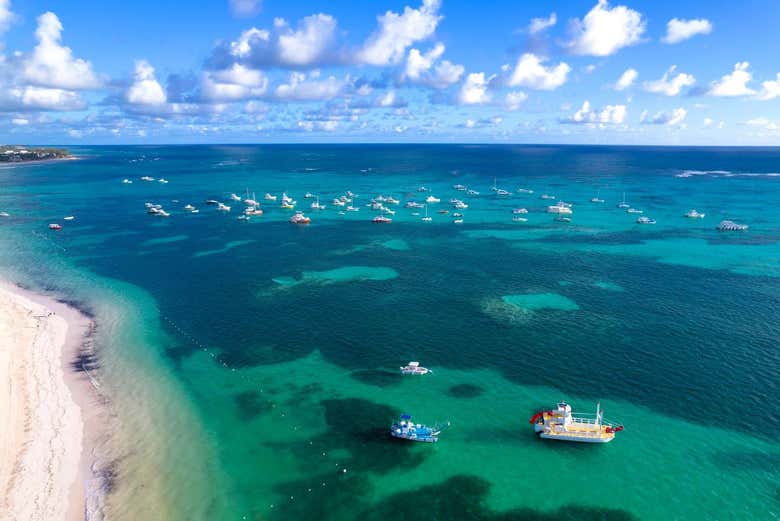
{"x": 690, "y": 72}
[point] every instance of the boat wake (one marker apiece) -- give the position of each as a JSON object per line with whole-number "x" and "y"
{"x": 725, "y": 173}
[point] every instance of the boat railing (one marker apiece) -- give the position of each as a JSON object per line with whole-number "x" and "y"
{"x": 590, "y": 418}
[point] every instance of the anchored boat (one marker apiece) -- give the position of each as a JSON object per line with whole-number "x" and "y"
{"x": 414, "y": 368}
{"x": 405, "y": 429}
{"x": 562, "y": 424}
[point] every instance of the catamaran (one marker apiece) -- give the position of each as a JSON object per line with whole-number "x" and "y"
{"x": 562, "y": 424}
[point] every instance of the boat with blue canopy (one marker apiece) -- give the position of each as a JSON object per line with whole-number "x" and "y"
{"x": 406, "y": 429}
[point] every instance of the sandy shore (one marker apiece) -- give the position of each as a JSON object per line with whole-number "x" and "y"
{"x": 46, "y": 470}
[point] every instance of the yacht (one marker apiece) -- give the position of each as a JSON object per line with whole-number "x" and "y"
{"x": 459, "y": 188}
{"x": 524, "y": 191}
{"x": 460, "y": 205}
{"x": 472, "y": 192}
{"x": 269, "y": 197}
{"x": 253, "y": 210}
{"x": 624, "y": 204}
{"x": 163, "y": 181}
{"x": 380, "y": 219}
{"x": 559, "y": 208}
{"x": 457, "y": 221}
{"x": 234, "y": 197}
{"x": 693, "y": 214}
{"x": 432, "y": 200}
{"x": 415, "y": 368}
{"x": 147, "y": 178}
{"x": 299, "y": 218}
{"x": 126, "y": 181}
{"x": 212, "y": 201}
{"x": 645, "y": 220}
{"x": 222, "y": 207}
{"x": 308, "y": 195}
{"x": 68, "y": 218}
{"x": 189, "y": 208}
{"x": 519, "y": 219}
{"x": 518, "y": 211}
{"x": 55, "y": 227}
{"x": 547, "y": 196}
{"x": 561, "y": 424}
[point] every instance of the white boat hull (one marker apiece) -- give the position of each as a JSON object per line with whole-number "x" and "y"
{"x": 581, "y": 439}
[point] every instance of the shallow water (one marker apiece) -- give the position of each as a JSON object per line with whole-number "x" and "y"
{"x": 257, "y": 361}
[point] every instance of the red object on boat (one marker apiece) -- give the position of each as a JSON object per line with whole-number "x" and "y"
{"x": 615, "y": 429}
{"x": 55, "y": 227}
{"x": 538, "y": 415}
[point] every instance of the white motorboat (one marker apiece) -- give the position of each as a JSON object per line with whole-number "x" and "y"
{"x": 547, "y": 196}
{"x": 693, "y": 214}
{"x": 559, "y": 208}
{"x": 414, "y": 368}
{"x": 147, "y": 178}
{"x": 126, "y": 181}
{"x": 472, "y": 192}
{"x": 634, "y": 210}
{"x": 222, "y": 207}
{"x": 269, "y": 197}
{"x": 432, "y": 200}
{"x": 163, "y": 181}
{"x": 645, "y": 220}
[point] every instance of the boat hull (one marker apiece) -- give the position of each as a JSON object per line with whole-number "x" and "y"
{"x": 580, "y": 439}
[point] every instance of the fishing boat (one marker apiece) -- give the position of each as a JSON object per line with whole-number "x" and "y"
{"x": 731, "y": 226}
{"x": 693, "y": 214}
{"x": 299, "y": 218}
{"x": 415, "y": 368}
{"x": 645, "y": 220}
{"x": 381, "y": 219}
{"x": 623, "y": 203}
{"x": 405, "y": 429}
{"x": 55, "y": 227}
{"x": 561, "y": 424}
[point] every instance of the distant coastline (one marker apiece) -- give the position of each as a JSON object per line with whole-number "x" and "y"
{"x": 24, "y": 154}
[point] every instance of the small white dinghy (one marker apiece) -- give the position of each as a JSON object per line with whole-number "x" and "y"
{"x": 415, "y": 368}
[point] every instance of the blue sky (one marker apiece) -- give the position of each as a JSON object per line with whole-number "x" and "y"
{"x": 624, "y": 72}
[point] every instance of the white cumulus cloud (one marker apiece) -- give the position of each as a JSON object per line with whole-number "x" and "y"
{"x": 6, "y": 16}
{"x": 309, "y": 42}
{"x": 678, "y": 30}
{"x": 733, "y": 84}
{"x": 397, "y": 32}
{"x": 145, "y": 89}
{"x": 762, "y": 122}
{"x": 672, "y": 118}
{"x": 514, "y": 99}
{"x": 425, "y": 69}
{"x": 299, "y": 87}
{"x": 609, "y": 115}
{"x": 474, "y": 90}
{"x": 538, "y": 25}
{"x": 244, "y": 8}
{"x": 626, "y": 79}
{"x": 530, "y": 72}
{"x": 44, "y": 98}
{"x": 770, "y": 89}
{"x": 606, "y": 30}
{"x": 233, "y": 84}
{"x": 670, "y": 85}
{"x": 52, "y": 64}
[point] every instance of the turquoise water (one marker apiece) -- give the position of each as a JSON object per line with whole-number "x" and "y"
{"x": 253, "y": 365}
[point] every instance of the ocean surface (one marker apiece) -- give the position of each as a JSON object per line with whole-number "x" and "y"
{"x": 253, "y": 365}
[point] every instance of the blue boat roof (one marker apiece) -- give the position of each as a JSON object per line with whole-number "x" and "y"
{"x": 406, "y": 416}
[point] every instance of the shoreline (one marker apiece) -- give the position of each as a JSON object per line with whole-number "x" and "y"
{"x": 56, "y": 414}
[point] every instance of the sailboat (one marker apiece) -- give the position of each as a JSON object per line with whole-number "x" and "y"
{"x": 624, "y": 204}
{"x": 597, "y": 199}
{"x": 426, "y": 218}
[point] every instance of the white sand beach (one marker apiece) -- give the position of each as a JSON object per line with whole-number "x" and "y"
{"x": 43, "y": 469}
